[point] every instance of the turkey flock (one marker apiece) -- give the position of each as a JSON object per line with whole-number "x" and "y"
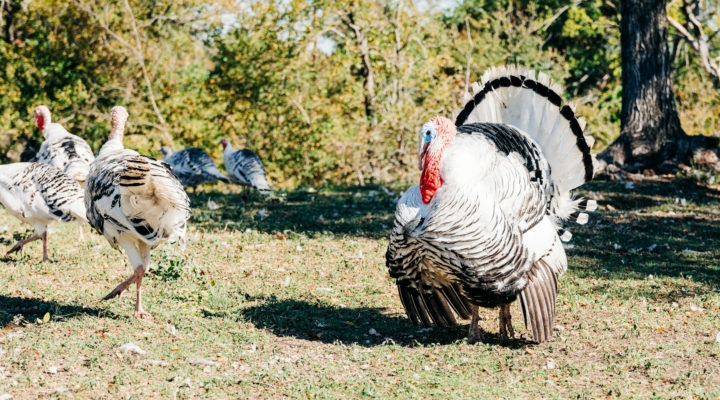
{"x": 483, "y": 228}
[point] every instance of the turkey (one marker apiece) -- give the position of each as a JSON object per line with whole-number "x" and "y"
{"x": 40, "y": 194}
{"x": 63, "y": 150}
{"x": 136, "y": 202}
{"x": 483, "y": 227}
{"x": 245, "y": 168}
{"x": 192, "y": 166}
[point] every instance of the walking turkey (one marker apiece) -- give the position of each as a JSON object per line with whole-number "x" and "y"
{"x": 483, "y": 227}
{"x": 40, "y": 194}
{"x": 136, "y": 202}
{"x": 245, "y": 168}
{"x": 61, "y": 149}
{"x": 193, "y": 167}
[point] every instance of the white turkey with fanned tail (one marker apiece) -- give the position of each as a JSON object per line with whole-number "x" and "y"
{"x": 483, "y": 228}
{"x": 40, "y": 194}
{"x": 193, "y": 166}
{"x": 245, "y": 168}
{"x": 136, "y": 202}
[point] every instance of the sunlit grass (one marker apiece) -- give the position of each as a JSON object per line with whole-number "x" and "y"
{"x": 287, "y": 303}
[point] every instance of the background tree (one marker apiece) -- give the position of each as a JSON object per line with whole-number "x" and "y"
{"x": 651, "y": 132}
{"x": 324, "y": 92}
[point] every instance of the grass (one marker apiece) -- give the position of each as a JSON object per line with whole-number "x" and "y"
{"x": 297, "y": 303}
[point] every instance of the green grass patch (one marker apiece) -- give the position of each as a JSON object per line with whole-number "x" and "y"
{"x": 291, "y": 298}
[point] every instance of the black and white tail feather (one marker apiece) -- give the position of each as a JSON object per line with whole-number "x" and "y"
{"x": 533, "y": 104}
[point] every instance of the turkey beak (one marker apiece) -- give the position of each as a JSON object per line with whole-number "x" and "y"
{"x": 421, "y": 155}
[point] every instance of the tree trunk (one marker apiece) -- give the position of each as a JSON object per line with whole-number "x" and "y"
{"x": 648, "y": 118}
{"x": 650, "y": 133}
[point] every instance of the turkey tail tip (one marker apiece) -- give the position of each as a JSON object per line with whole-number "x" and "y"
{"x": 580, "y": 218}
{"x": 565, "y": 236}
{"x": 588, "y": 205}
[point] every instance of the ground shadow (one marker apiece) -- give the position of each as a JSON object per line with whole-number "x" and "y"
{"x": 315, "y": 321}
{"x": 631, "y": 196}
{"x": 366, "y": 211}
{"x": 30, "y": 310}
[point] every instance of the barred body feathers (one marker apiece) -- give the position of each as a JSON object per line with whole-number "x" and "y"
{"x": 245, "y": 168}
{"x": 40, "y": 194}
{"x": 490, "y": 233}
{"x": 193, "y": 167}
{"x": 61, "y": 149}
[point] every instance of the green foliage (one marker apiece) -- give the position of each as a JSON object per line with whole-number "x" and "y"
{"x": 324, "y": 92}
{"x": 171, "y": 267}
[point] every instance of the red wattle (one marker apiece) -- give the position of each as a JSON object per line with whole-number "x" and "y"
{"x": 41, "y": 122}
{"x": 430, "y": 180}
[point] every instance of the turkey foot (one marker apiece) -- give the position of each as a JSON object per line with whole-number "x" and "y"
{"x": 475, "y": 335}
{"x": 118, "y": 291}
{"x": 506, "y": 328}
{"x": 19, "y": 245}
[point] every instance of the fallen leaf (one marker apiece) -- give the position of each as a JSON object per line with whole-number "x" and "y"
{"x": 46, "y": 318}
{"x": 350, "y": 323}
{"x": 313, "y": 335}
{"x": 529, "y": 351}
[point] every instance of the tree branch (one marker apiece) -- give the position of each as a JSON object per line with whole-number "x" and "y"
{"x": 695, "y": 35}
{"x": 469, "y": 56}
{"x": 137, "y": 51}
{"x": 141, "y": 60}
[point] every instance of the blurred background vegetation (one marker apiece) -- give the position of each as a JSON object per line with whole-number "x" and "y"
{"x": 324, "y": 91}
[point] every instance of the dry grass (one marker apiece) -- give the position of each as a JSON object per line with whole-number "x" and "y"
{"x": 284, "y": 307}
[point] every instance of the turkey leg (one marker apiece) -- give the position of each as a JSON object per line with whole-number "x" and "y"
{"x": 118, "y": 291}
{"x": 19, "y": 245}
{"x": 81, "y": 236}
{"x": 475, "y": 335}
{"x": 44, "y": 240}
{"x": 506, "y": 328}
{"x": 246, "y": 193}
{"x": 139, "y": 312}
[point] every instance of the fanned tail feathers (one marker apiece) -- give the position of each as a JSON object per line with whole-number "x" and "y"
{"x": 532, "y": 103}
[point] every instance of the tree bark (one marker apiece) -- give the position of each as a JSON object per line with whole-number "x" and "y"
{"x": 650, "y": 130}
